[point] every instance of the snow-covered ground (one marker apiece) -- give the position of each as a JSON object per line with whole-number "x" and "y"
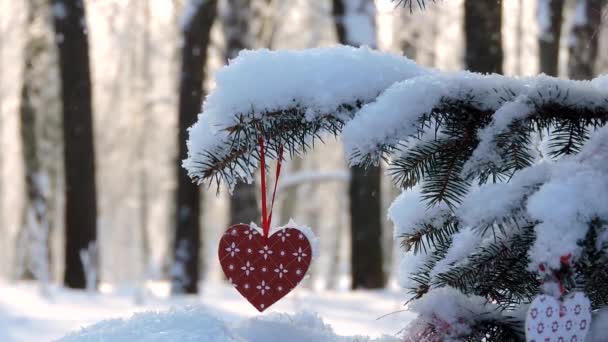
{"x": 25, "y": 315}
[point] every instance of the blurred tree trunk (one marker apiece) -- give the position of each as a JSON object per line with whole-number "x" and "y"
{"x": 584, "y": 39}
{"x": 79, "y": 158}
{"x": 483, "y": 36}
{"x": 364, "y": 188}
{"x": 196, "y": 36}
{"x": 236, "y": 19}
{"x": 550, "y": 18}
{"x": 39, "y": 108}
{"x": 142, "y": 82}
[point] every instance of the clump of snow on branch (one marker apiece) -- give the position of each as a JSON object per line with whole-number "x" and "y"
{"x": 576, "y": 194}
{"x": 496, "y": 202}
{"x": 409, "y": 263}
{"x": 394, "y": 116}
{"x": 409, "y": 213}
{"x": 563, "y": 197}
{"x": 463, "y": 244}
{"x": 450, "y": 312}
{"x": 263, "y": 82}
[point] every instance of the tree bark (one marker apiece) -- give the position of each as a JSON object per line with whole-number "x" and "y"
{"x": 187, "y": 243}
{"x": 364, "y": 187}
{"x": 235, "y": 20}
{"x": 34, "y": 232}
{"x": 483, "y": 36}
{"x": 584, "y": 39}
{"x": 550, "y": 20}
{"x": 79, "y": 157}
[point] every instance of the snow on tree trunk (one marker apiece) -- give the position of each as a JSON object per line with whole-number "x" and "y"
{"x": 483, "y": 37}
{"x": 584, "y": 37}
{"x": 356, "y": 26}
{"x": 236, "y": 16}
{"x": 550, "y": 19}
{"x": 197, "y": 21}
{"x": 81, "y": 202}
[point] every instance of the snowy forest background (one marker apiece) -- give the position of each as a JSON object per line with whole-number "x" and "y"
{"x": 135, "y": 49}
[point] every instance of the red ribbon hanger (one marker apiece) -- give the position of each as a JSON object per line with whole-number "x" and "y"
{"x": 267, "y": 216}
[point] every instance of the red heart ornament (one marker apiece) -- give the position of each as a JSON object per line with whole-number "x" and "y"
{"x": 264, "y": 270}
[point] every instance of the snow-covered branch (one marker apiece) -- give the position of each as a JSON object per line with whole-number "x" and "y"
{"x": 306, "y": 93}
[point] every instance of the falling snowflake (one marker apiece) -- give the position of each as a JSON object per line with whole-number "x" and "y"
{"x": 232, "y": 249}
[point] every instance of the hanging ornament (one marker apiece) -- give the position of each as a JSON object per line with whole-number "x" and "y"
{"x": 558, "y": 320}
{"x": 550, "y": 319}
{"x": 263, "y": 267}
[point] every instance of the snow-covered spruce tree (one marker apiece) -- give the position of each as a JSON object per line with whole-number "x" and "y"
{"x": 505, "y": 179}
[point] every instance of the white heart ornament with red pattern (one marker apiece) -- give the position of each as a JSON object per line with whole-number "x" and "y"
{"x": 549, "y": 320}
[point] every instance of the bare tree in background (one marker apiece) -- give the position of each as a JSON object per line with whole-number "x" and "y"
{"x": 79, "y": 158}
{"x": 550, "y": 19}
{"x": 40, "y": 134}
{"x": 483, "y": 36}
{"x": 584, "y": 39}
{"x": 142, "y": 63}
{"x": 198, "y": 19}
{"x": 364, "y": 188}
{"x": 236, "y": 16}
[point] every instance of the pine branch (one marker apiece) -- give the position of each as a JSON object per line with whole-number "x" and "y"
{"x": 592, "y": 267}
{"x": 286, "y": 128}
{"x": 490, "y": 329}
{"x": 439, "y": 163}
{"x": 423, "y": 276}
{"x": 417, "y": 162}
{"x": 497, "y": 271}
{"x": 458, "y": 120}
{"x": 428, "y": 235}
{"x": 410, "y": 4}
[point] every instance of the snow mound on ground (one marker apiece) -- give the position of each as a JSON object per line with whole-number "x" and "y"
{"x": 196, "y": 324}
{"x": 184, "y": 324}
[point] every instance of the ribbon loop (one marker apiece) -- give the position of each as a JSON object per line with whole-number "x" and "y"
{"x": 267, "y": 216}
